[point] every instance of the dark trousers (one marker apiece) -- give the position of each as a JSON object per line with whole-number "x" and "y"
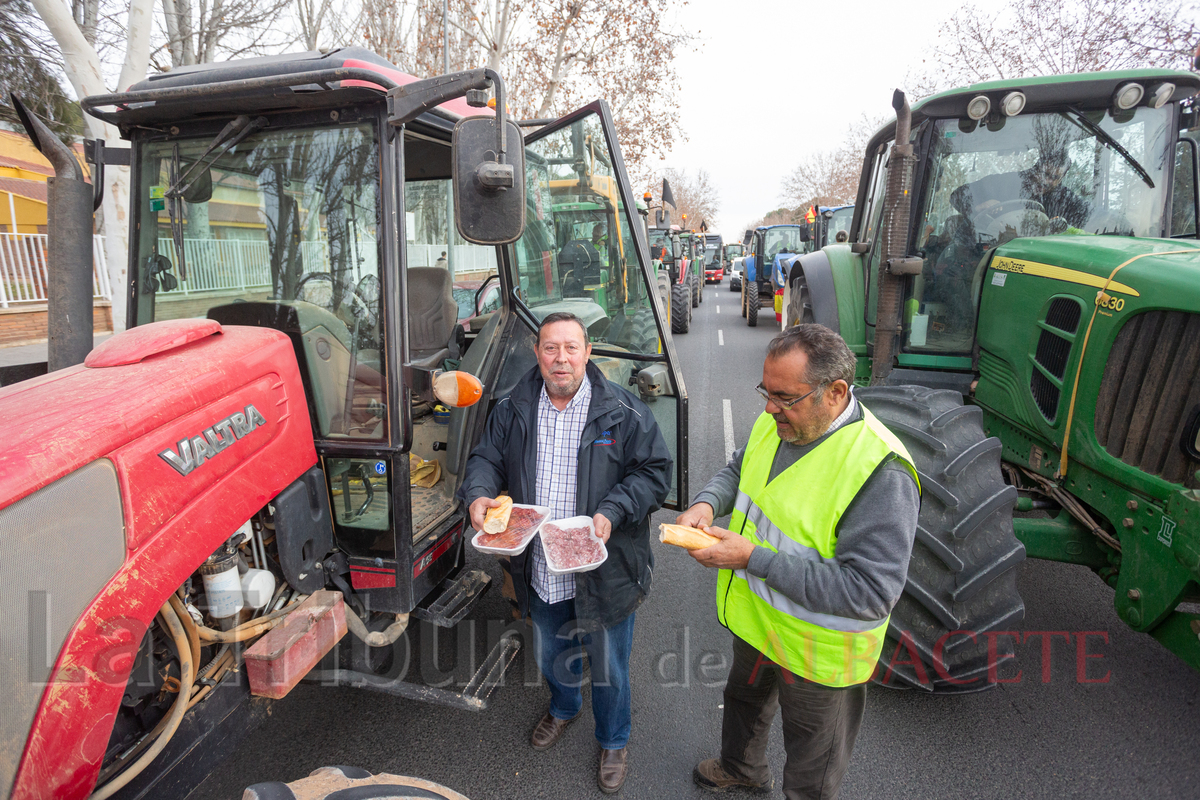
{"x": 820, "y": 725}
{"x": 559, "y": 649}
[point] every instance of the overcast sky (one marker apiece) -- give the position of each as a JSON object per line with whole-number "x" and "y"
{"x": 773, "y": 80}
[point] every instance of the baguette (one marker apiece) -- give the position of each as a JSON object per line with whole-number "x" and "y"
{"x": 496, "y": 519}
{"x": 685, "y": 537}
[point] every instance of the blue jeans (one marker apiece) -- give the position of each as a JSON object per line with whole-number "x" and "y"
{"x": 560, "y": 647}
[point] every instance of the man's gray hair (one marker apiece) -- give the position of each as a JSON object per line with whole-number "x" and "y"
{"x": 829, "y": 359}
{"x": 562, "y": 316}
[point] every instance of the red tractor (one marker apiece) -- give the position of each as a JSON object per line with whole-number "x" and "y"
{"x": 269, "y": 456}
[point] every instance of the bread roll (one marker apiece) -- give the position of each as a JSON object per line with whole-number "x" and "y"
{"x": 685, "y": 537}
{"x": 496, "y": 519}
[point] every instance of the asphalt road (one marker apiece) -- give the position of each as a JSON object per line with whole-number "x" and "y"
{"x": 1122, "y": 722}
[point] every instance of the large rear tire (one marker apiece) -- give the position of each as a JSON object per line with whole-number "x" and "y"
{"x": 752, "y": 303}
{"x": 797, "y": 304}
{"x": 663, "y": 286}
{"x": 681, "y": 309}
{"x": 695, "y": 290}
{"x": 962, "y": 584}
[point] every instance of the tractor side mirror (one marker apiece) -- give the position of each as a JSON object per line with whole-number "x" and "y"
{"x": 200, "y": 189}
{"x": 489, "y": 197}
{"x": 804, "y": 237}
{"x": 676, "y": 249}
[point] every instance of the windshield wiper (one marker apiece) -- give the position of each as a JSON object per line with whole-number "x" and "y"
{"x": 230, "y": 135}
{"x": 1107, "y": 138}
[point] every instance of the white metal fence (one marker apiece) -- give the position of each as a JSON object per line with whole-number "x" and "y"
{"x": 23, "y": 275}
{"x": 463, "y": 257}
{"x": 215, "y": 264}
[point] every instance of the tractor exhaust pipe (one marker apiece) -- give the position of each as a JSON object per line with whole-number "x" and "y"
{"x": 69, "y": 287}
{"x": 896, "y": 210}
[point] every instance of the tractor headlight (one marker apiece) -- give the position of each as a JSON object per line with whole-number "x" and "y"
{"x": 1160, "y": 94}
{"x": 979, "y": 107}
{"x": 1013, "y": 104}
{"x": 1127, "y": 96}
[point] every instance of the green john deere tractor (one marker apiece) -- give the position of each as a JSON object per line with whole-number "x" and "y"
{"x": 1022, "y": 289}
{"x": 693, "y": 268}
{"x": 671, "y": 262}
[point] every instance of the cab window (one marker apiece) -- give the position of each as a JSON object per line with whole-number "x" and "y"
{"x": 285, "y": 218}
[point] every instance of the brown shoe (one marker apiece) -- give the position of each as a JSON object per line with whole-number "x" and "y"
{"x": 611, "y": 776}
{"x": 712, "y": 776}
{"x": 549, "y": 730}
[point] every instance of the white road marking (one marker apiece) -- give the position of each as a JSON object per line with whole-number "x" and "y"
{"x": 719, "y": 308}
{"x": 727, "y": 411}
{"x": 721, "y": 337}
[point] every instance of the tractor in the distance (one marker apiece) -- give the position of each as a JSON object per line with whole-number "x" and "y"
{"x": 765, "y": 247}
{"x": 714, "y": 266}
{"x": 1021, "y": 290}
{"x": 671, "y": 258}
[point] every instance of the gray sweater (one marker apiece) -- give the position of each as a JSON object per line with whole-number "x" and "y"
{"x": 874, "y": 538}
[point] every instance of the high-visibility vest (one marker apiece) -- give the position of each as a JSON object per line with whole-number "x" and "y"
{"x": 797, "y": 514}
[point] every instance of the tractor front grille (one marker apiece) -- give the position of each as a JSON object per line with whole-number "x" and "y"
{"x": 1053, "y": 351}
{"x": 1150, "y": 386}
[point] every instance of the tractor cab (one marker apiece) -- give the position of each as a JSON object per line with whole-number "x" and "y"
{"x": 729, "y": 252}
{"x": 1105, "y": 159}
{"x": 326, "y": 217}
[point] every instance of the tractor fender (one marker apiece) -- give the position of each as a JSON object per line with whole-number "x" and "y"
{"x": 817, "y": 272}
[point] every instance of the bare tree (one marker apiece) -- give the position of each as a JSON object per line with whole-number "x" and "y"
{"x": 625, "y": 52}
{"x": 26, "y": 71}
{"x": 320, "y": 20}
{"x": 829, "y": 178}
{"x": 81, "y": 62}
{"x": 1053, "y": 37}
{"x": 555, "y": 55}
{"x": 694, "y": 196}
{"x": 780, "y": 216}
{"x": 199, "y": 32}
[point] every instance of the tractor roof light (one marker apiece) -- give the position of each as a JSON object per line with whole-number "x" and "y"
{"x": 979, "y": 107}
{"x": 1160, "y": 94}
{"x": 1127, "y": 96}
{"x": 1013, "y": 104}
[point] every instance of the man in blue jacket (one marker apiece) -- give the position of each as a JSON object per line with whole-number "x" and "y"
{"x": 567, "y": 438}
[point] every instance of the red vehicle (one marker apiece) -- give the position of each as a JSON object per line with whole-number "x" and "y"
{"x": 714, "y": 265}
{"x": 265, "y": 431}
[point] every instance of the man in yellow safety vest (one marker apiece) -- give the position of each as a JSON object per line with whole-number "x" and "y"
{"x": 824, "y": 502}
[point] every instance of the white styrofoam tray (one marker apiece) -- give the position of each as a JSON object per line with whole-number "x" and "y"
{"x": 572, "y": 522}
{"x": 525, "y": 540}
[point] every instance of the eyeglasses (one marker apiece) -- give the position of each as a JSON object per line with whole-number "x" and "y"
{"x": 784, "y": 404}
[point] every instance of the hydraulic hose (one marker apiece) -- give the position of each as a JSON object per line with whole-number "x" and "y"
{"x": 246, "y": 630}
{"x": 381, "y": 638}
{"x": 189, "y": 625}
{"x": 187, "y": 673}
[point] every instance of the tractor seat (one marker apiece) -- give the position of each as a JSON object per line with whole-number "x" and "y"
{"x": 433, "y": 317}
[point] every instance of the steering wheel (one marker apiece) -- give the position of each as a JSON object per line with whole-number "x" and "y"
{"x": 1000, "y": 209}
{"x": 360, "y": 307}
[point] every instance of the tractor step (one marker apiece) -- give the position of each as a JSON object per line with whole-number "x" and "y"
{"x": 474, "y": 696}
{"x": 454, "y": 598}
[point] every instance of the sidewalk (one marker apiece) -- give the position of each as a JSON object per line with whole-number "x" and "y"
{"x": 34, "y": 353}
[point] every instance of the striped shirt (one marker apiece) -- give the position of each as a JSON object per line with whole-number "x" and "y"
{"x": 558, "y": 435}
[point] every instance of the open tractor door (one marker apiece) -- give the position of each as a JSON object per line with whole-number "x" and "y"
{"x": 313, "y": 350}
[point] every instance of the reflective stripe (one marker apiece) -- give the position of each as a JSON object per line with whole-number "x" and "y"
{"x": 781, "y": 603}
{"x": 771, "y": 534}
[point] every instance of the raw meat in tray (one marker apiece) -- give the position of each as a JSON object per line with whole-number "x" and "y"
{"x": 571, "y": 545}
{"x": 522, "y": 526}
